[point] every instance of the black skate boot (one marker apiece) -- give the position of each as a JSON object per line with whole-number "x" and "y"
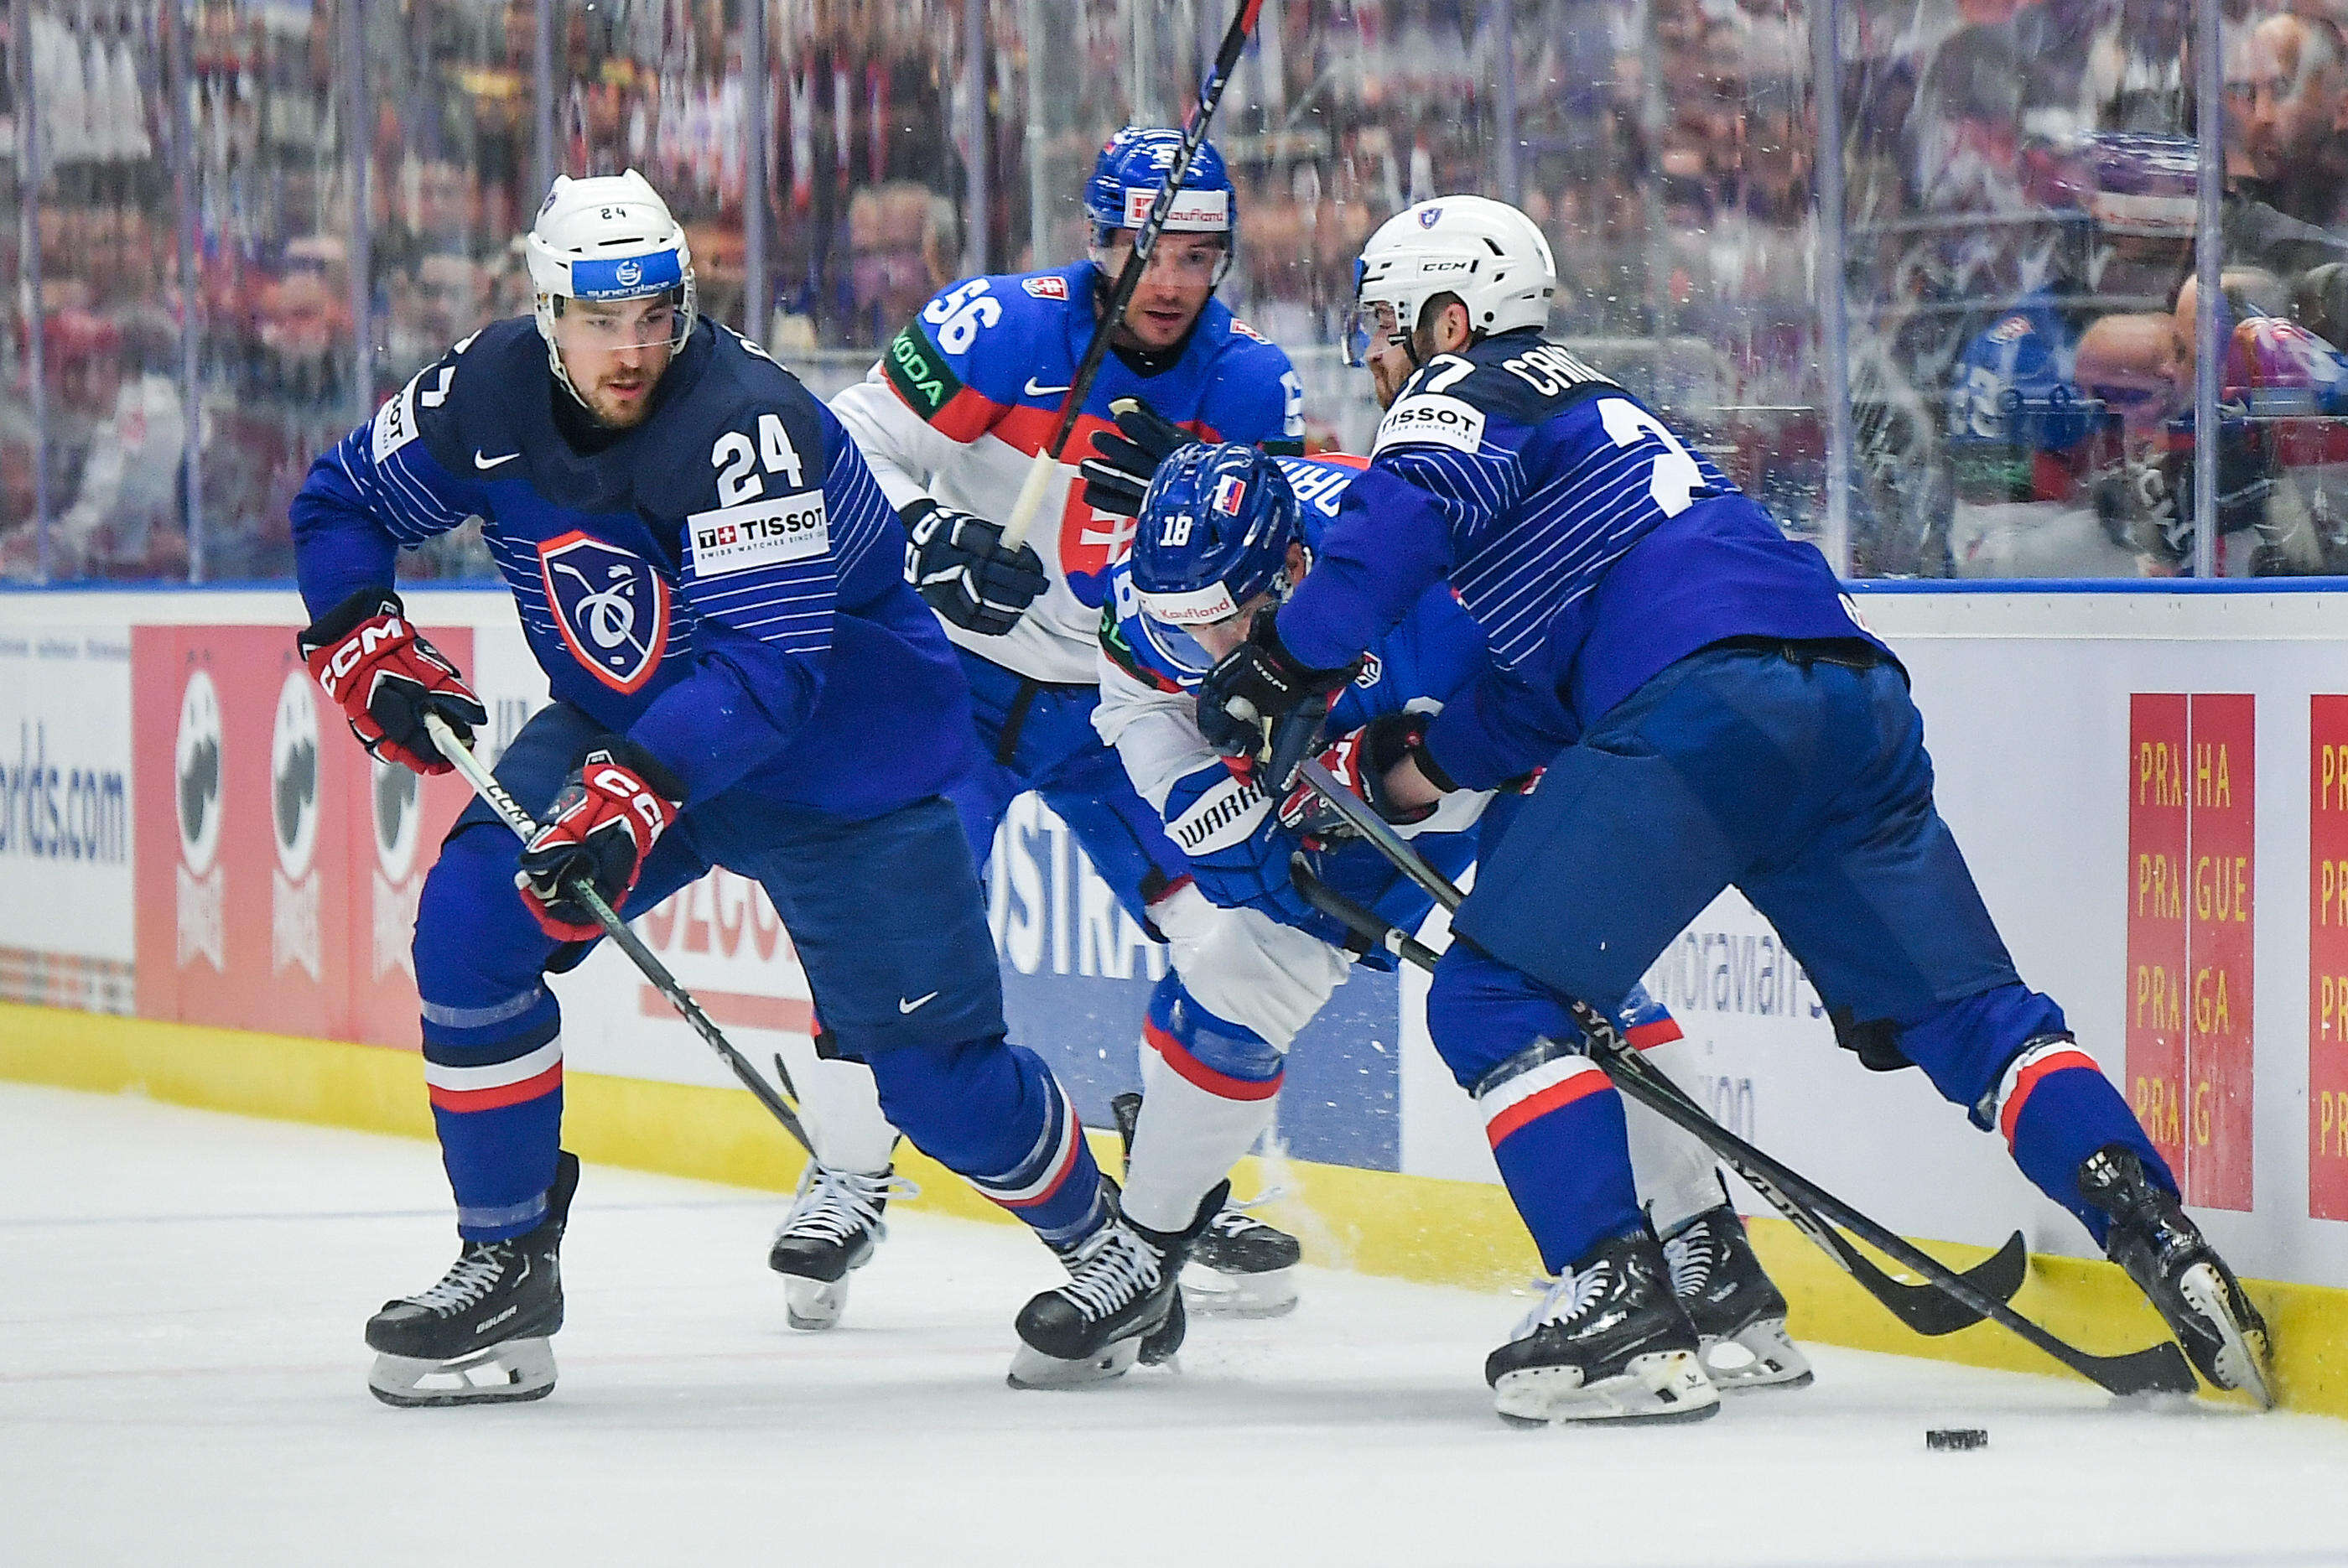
{"x": 833, "y": 1227}
{"x": 1121, "y": 1304}
{"x": 2187, "y": 1281}
{"x": 479, "y": 1336}
{"x": 1607, "y": 1344}
{"x": 1239, "y": 1266}
{"x": 1737, "y": 1308}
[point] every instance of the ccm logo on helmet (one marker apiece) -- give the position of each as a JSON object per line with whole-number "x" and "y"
{"x": 1431, "y": 420}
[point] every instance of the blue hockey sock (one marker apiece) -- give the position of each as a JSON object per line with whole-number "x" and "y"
{"x": 2056, "y": 1107}
{"x": 1557, "y": 1134}
{"x": 993, "y": 1113}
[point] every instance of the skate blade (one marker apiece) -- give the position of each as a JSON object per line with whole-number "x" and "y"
{"x": 2241, "y": 1354}
{"x": 503, "y": 1374}
{"x": 1662, "y": 1386}
{"x": 1031, "y": 1368}
{"x": 1212, "y": 1293}
{"x": 813, "y": 1303}
{"x": 1759, "y": 1355}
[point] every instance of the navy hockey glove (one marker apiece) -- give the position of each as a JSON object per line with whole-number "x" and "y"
{"x": 1360, "y": 762}
{"x": 1237, "y": 849}
{"x": 1118, "y": 476}
{"x": 1257, "y": 684}
{"x": 605, "y": 820}
{"x": 368, "y": 657}
{"x": 958, "y": 565}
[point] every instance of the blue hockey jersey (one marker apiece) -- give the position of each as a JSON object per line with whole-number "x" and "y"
{"x": 1592, "y": 547}
{"x": 723, "y": 584}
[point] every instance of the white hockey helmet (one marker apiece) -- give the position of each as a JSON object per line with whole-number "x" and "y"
{"x": 1485, "y": 252}
{"x": 607, "y": 237}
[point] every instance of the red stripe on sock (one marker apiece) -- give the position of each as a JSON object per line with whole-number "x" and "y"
{"x": 1660, "y": 1032}
{"x": 2027, "y": 1079}
{"x": 1533, "y": 1106}
{"x": 1059, "y": 1177}
{"x": 503, "y": 1094}
{"x": 1222, "y": 1086}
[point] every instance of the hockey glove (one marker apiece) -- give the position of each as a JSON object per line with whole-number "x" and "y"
{"x": 605, "y": 820}
{"x": 1255, "y": 684}
{"x": 1237, "y": 849}
{"x": 1118, "y": 475}
{"x": 1359, "y": 761}
{"x": 366, "y": 655}
{"x": 958, "y": 565}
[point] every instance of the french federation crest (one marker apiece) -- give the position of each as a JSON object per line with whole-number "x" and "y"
{"x": 610, "y": 606}
{"x": 1426, "y": 219}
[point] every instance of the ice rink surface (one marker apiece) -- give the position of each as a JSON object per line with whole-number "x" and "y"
{"x": 182, "y": 1380}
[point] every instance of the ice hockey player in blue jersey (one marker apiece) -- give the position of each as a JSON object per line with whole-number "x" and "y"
{"x": 950, "y": 419}
{"x": 1223, "y": 531}
{"x": 1707, "y": 711}
{"x": 711, "y": 581}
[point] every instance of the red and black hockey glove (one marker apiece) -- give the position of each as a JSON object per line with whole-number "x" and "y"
{"x": 1360, "y": 762}
{"x": 372, "y": 661}
{"x": 1257, "y": 684}
{"x": 606, "y": 818}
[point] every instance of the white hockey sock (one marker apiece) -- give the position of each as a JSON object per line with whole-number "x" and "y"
{"x": 840, "y": 1107}
{"x": 1677, "y": 1177}
{"x": 1187, "y": 1140}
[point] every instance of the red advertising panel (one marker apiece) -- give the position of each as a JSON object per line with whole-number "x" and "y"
{"x": 2159, "y": 766}
{"x": 2327, "y": 958}
{"x": 2224, "y": 845}
{"x": 259, "y": 907}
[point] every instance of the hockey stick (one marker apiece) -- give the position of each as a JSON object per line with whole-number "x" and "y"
{"x": 1924, "y": 1308}
{"x": 1129, "y": 276}
{"x": 510, "y": 811}
{"x": 2156, "y": 1369}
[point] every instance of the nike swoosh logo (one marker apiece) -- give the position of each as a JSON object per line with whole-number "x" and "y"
{"x": 918, "y": 1002}
{"x": 481, "y": 462}
{"x": 1036, "y": 391}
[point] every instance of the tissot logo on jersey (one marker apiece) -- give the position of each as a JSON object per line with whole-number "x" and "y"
{"x": 760, "y": 533}
{"x": 1432, "y": 420}
{"x": 610, "y": 606}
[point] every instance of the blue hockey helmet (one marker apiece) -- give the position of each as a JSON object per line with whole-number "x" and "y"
{"x": 1214, "y": 532}
{"x": 1130, "y": 167}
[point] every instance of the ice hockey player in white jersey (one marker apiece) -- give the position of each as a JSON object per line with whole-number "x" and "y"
{"x": 950, "y": 419}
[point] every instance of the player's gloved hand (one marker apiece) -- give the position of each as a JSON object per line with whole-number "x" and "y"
{"x": 956, "y": 562}
{"x": 1256, "y": 683}
{"x": 1237, "y": 847}
{"x": 603, "y": 822}
{"x": 1118, "y": 474}
{"x": 1359, "y": 762}
{"x": 368, "y": 657}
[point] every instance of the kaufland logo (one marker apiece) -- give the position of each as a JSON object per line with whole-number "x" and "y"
{"x": 1192, "y": 209}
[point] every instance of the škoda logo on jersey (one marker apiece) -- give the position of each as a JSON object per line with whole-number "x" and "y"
{"x": 610, "y": 606}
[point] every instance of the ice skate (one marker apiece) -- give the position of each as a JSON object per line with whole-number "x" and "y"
{"x": 1121, "y": 1306}
{"x": 481, "y": 1337}
{"x": 832, "y": 1228}
{"x": 1239, "y": 1266}
{"x": 2162, "y": 1250}
{"x": 1607, "y": 1344}
{"x": 1738, "y": 1312}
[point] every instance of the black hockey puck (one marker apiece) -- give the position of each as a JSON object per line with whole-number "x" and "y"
{"x": 1955, "y": 1440}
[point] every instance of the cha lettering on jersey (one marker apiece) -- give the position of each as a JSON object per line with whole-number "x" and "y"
{"x": 758, "y": 534}
{"x": 1431, "y": 420}
{"x": 610, "y": 606}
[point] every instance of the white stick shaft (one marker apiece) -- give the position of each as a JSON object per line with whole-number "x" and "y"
{"x": 1040, "y": 474}
{"x": 484, "y": 782}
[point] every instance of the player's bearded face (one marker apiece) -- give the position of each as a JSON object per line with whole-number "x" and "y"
{"x": 615, "y": 351}
{"x": 1389, "y": 361}
{"x": 1173, "y": 291}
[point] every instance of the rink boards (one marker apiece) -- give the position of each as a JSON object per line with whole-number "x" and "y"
{"x": 2152, "y": 787}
